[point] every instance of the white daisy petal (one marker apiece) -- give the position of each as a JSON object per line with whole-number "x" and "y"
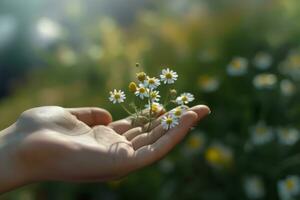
{"x": 169, "y": 121}
{"x": 152, "y": 83}
{"x": 168, "y": 76}
{"x": 185, "y": 98}
{"x": 289, "y": 187}
{"x": 154, "y": 96}
{"x": 178, "y": 111}
{"x": 156, "y": 107}
{"x": 142, "y": 91}
{"x": 117, "y": 96}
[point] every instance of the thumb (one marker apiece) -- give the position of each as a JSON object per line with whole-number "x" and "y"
{"x": 91, "y": 116}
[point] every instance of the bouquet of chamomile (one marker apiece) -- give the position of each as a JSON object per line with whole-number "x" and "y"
{"x": 149, "y": 103}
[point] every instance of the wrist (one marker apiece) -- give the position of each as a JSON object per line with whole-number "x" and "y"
{"x": 13, "y": 173}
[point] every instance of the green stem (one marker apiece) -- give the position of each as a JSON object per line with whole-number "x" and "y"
{"x": 166, "y": 102}
{"x": 150, "y": 110}
{"x": 130, "y": 113}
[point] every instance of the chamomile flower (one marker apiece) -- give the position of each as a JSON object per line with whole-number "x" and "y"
{"x": 168, "y": 76}
{"x": 289, "y": 188}
{"x": 264, "y": 81}
{"x": 219, "y": 156}
{"x": 262, "y": 60}
{"x": 291, "y": 65}
{"x": 142, "y": 91}
{"x": 261, "y": 134}
{"x": 288, "y": 136}
{"x": 141, "y": 76}
{"x": 132, "y": 87}
{"x": 185, "y": 98}
{"x": 237, "y": 67}
{"x": 178, "y": 111}
{"x": 208, "y": 83}
{"x": 287, "y": 87}
{"x": 166, "y": 166}
{"x": 155, "y": 107}
{"x": 169, "y": 121}
{"x": 117, "y": 96}
{"x": 154, "y": 95}
{"x": 196, "y": 141}
{"x": 151, "y": 83}
{"x": 254, "y": 187}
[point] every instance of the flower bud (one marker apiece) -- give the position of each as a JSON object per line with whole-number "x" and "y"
{"x": 141, "y": 76}
{"x": 173, "y": 93}
{"x": 132, "y": 87}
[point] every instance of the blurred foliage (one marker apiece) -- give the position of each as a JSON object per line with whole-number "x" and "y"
{"x": 83, "y": 49}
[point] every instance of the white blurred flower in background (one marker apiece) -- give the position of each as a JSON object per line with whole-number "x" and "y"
{"x": 194, "y": 144}
{"x": 261, "y": 134}
{"x": 287, "y": 87}
{"x": 291, "y": 65}
{"x": 208, "y": 83}
{"x": 262, "y": 60}
{"x": 74, "y": 8}
{"x": 265, "y": 81}
{"x": 8, "y": 28}
{"x": 166, "y": 165}
{"x": 254, "y": 187}
{"x": 95, "y": 52}
{"x": 289, "y": 187}
{"x": 288, "y": 136}
{"x": 47, "y": 31}
{"x": 237, "y": 67}
{"x": 67, "y": 56}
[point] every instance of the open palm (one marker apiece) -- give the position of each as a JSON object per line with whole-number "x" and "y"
{"x": 83, "y": 144}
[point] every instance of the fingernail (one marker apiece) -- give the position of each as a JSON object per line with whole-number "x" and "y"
{"x": 209, "y": 111}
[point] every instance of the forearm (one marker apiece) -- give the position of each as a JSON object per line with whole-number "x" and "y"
{"x": 11, "y": 173}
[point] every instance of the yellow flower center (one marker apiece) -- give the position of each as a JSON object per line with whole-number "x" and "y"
{"x": 142, "y": 90}
{"x": 295, "y": 59}
{"x": 151, "y": 81}
{"x": 261, "y": 130}
{"x": 169, "y": 121}
{"x": 154, "y": 108}
{"x": 153, "y": 95}
{"x": 285, "y": 132}
{"x": 236, "y": 64}
{"x": 290, "y": 184}
{"x": 184, "y": 98}
{"x": 169, "y": 76}
{"x": 213, "y": 155}
{"x": 177, "y": 112}
{"x": 132, "y": 87}
{"x": 194, "y": 143}
{"x": 141, "y": 76}
{"x": 117, "y": 96}
{"x": 205, "y": 80}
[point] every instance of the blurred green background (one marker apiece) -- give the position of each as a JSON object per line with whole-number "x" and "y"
{"x": 241, "y": 58}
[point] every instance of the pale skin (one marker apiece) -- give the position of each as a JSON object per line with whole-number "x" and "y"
{"x": 82, "y": 145}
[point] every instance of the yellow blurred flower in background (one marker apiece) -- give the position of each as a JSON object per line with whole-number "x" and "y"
{"x": 219, "y": 156}
{"x": 196, "y": 141}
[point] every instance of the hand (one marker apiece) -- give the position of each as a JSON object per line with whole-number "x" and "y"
{"x": 82, "y": 144}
